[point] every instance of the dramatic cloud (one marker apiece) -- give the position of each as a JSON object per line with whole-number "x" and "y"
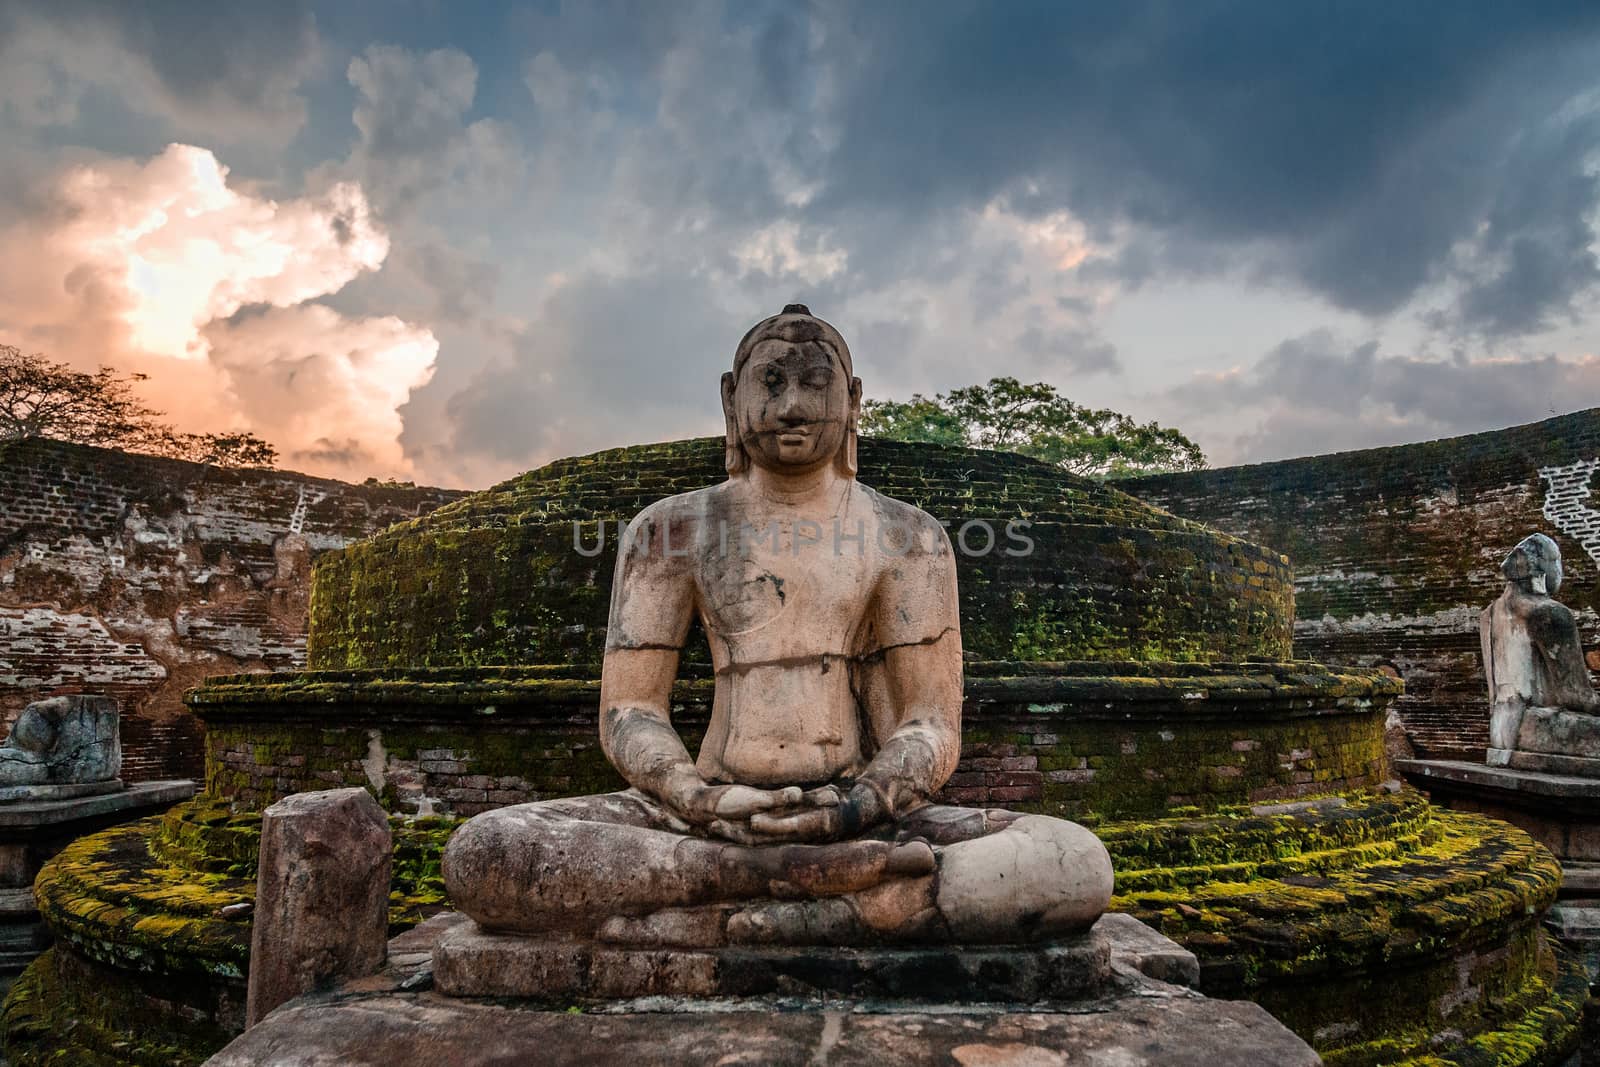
{"x": 226, "y": 71}
{"x": 1355, "y": 151}
{"x": 580, "y": 208}
{"x": 329, "y": 387}
{"x": 1319, "y": 392}
{"x": 163, "y": 267}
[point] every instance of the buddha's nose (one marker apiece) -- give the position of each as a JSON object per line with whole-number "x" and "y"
{"x": 791, "y": 408}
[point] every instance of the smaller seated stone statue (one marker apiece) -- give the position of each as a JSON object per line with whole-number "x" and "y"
{"x": 1544, "y": 714}
{"x": 63, "y": 746}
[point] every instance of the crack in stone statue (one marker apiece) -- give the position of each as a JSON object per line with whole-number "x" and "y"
{"x": 1544, "y": 713}
{"x": 806, "y": 818}
{"x": 61, "y": 746}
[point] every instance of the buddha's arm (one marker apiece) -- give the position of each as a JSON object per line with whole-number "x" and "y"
{"x": 1554, "y": 631}
{"x": 636, "y": 731}
{"x": 918, "y": 623}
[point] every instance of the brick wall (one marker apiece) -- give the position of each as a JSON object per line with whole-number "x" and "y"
{"x": 1114, "y": 739}
{"x": 1396, "y": 550}
{"x": 137, "y": 577}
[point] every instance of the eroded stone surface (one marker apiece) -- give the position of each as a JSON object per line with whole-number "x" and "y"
{"x": 322, "y": 895}
{"x": 62, "y": 741}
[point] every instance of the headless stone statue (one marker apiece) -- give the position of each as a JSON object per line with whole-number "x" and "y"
{"x": 1543, "y": 705}
{"x": 832, "y": 618}
{"x": 61, "y": 743}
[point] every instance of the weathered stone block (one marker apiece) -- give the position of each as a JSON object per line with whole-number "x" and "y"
{"x": 322, "y": 896}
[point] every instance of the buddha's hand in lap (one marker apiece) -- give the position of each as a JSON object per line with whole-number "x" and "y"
{"x": 817, "y": 816}
{"x": 714, "y": 807}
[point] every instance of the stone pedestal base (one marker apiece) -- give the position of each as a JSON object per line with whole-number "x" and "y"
{"x": 1544, "y": 740}
{"x": 469, "y": 962}
{"x": 67, "y": 791}
{"x": 389, "y": 1020}
{"x": 1560, "y": 811}
{"x": 1544, "y": 762}
{"x": 35, "y": 827}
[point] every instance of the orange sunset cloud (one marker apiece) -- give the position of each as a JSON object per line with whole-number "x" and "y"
{"x": 166, "y": 268}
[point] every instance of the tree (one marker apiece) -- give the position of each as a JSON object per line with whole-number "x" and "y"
{"x": 41, "y": 398}
{"x": 1035, "y": 420}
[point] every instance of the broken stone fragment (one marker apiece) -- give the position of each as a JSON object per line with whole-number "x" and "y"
{"x": 322, "y": 896}
{"x": 63, "y": 741}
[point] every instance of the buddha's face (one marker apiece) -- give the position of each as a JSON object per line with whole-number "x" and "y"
{"x": 791, "y": 403}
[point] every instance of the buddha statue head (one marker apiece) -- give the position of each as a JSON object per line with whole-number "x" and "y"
{"x": 1534, "y": 566}
{"x": 792, "y": 400}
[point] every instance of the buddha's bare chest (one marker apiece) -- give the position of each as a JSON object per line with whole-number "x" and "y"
{"x": 786, "y": 599}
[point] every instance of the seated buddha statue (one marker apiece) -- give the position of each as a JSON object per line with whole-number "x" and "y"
{"x": 806, "y": 816}
{"x": 1540, "y": 694}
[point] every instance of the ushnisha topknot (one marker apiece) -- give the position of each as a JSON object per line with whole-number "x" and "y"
{"x": 794, "y": 323}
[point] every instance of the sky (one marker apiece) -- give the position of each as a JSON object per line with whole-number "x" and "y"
{"x": 446, "y": 242}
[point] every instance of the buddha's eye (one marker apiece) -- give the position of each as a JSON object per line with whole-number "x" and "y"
{"x": 819, "y": 378}
{"x": 772, "y": 379}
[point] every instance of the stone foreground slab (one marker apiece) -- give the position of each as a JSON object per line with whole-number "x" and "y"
{"x": 426, "y": 1030}
{"x": 1142, "y": 1019}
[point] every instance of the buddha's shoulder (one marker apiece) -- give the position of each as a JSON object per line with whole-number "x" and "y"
{"x": 693, "y": 504}
{"x": 914, "y": 531}
{"x": 889, "y": 509}
{"x": 1546, "y": 612}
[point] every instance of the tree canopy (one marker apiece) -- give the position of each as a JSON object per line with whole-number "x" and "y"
{"x": 1035, "y": 420}
{"x": 42, "y": 398}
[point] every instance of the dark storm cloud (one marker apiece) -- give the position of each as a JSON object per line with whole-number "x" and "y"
{"x": 1540, "y": 232}
{"x": 1080, "y": 350}
{"x": 1318, "y": 392}
{"x": 221, "y": 68}
{"x": 1362, "y": 141}
{"x": 641, "y": 353}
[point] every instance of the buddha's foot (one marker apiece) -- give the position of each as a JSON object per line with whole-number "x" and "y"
{"x": 804, "y": 871}
{"x": 896, "y": 910}
{"x": 1037, "y": 878}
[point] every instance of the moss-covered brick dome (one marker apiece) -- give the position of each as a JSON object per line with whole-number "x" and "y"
{"x": 497, "y": 577}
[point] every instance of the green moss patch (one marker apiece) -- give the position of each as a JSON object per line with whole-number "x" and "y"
{"x": 62, "y": 1013}
{"x": 1476, "y": 880}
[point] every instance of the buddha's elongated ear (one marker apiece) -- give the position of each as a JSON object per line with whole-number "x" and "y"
{"x": 848, "y": 461}
{"x": 733, "y": 454}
